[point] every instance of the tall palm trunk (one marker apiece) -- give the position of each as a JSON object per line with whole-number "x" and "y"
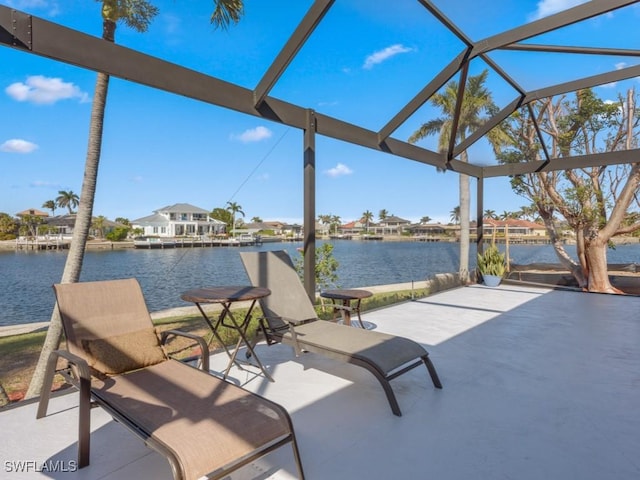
{"x": 73, "y": 264}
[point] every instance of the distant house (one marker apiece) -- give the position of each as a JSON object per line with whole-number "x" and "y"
{"x": 254, "y": 227}
{"x": 352, "y": 228}
{"x": 179, "y": 220}
{"x": 278, "y": 228}
{"x": 391, "y": 225}
{"x": 64, "y": 225}
{"x": 515, "y": 227}
{"x": 292, "y": 229}
{"x": 427, "y": 229}
{"x": 32, "y": 212}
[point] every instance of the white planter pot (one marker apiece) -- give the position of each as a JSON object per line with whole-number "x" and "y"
{"x": 491, "y": 280}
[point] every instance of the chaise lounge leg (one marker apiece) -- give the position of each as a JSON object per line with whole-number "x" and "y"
{"x": 47, "y": 383}
{"x": 391, "y": 397}
{"x": 296, "y": 452}
{"x": 386, "y": 386}
{"x": 432, "y": 371}
{"x": 84, "y": 423}
{"x": 84, "y": 411}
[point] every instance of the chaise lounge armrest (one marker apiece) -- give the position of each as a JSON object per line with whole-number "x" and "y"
{"x": 204, "y": 348}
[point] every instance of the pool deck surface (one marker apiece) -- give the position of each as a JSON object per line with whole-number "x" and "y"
{"x": 538, "y": 383}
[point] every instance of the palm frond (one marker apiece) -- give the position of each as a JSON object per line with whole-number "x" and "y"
{"x": 426, "y": 129}
{"x": 226, "y": 13}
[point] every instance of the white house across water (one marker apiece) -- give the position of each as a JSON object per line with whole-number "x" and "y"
{"x": 179, "y": 220}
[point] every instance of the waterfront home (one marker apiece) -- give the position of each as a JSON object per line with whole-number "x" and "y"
{"x": 180, "y": 219}
{"x": 278, "y": 228}
{"x": 353, "y": 228}
{"x": 512, "y": 226}
{"x": 61, "y": 226}
{"x": 432, "y": 229}
{"x": 33, "y": 212}
{"x": 391, "y": 225}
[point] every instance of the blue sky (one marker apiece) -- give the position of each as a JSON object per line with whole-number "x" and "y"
{"x": 362, "y": 64}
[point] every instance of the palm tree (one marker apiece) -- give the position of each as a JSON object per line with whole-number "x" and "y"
{"x": 367, "y": 216}
{"x": 476, "y": 101}
{"x": 383, "y": 214}
{"x": 256, "y": 220}
{"x": 455, "y": 215}
{"x": 325, "y": 220}
{"x": 234, "y": 208}
{"x": 529, "y": 213}
{"x": 50, "y": 205}
{"x": 426, "y": 219}
{"x": 335, "y": 222}
{"x": 68, "y": 200}
{"x": 138, "y": 15}
{"x": 99, "y": 224}
{"x": 490, "y": 214}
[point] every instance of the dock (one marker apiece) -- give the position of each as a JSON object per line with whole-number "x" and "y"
{"x": 157, "y": 242}
{"x": 39, "y": 244}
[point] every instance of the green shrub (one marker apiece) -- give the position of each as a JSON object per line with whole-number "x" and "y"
{"x": 491, "y": 262}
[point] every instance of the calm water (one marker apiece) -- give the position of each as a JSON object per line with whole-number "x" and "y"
{"x": 26, "y": 277}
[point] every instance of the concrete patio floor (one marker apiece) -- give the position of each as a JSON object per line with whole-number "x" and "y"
{"x": 538, "y": 383}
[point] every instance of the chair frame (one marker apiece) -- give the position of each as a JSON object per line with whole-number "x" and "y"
{"x": 78, "y": 374}
{"x": 276, "y": 334}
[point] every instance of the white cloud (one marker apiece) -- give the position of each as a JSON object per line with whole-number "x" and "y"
{"x": 16, "y": 145}
{"x": 253, "y": 135}
{"x": 549, "y": 7}
{"x": 384, "y": 54}
{"x": 621, "y": 65}
{"x": 339, "y": 170}
{"x": 45, "y": 90}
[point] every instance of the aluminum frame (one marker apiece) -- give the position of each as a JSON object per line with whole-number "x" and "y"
{"x": 37, "y": 36}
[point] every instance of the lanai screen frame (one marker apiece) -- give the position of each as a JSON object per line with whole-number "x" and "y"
{"x": 34, "y": 35}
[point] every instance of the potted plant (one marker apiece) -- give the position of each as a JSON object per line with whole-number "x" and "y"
{"x": 491, "y": 265}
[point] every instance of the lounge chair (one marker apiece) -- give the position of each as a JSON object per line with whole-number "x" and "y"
{"x": 204, "y": 426}
{"x": 290, "y": 318}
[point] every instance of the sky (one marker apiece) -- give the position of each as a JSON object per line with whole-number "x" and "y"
{"x": 362, "y": 65}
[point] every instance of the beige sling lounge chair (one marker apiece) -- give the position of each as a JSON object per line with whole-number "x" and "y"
{"x": 290, "y": 318}
{"x": 204, "y": 426}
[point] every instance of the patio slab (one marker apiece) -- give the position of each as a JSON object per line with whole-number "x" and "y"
{"x": 538, "y": 383}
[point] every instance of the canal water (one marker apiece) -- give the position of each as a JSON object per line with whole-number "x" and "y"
{"x": 26, "y": 277}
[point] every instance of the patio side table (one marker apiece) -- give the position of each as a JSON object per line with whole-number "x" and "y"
{"x": 346, "y": 296}
{"x": 225, "y": 296}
